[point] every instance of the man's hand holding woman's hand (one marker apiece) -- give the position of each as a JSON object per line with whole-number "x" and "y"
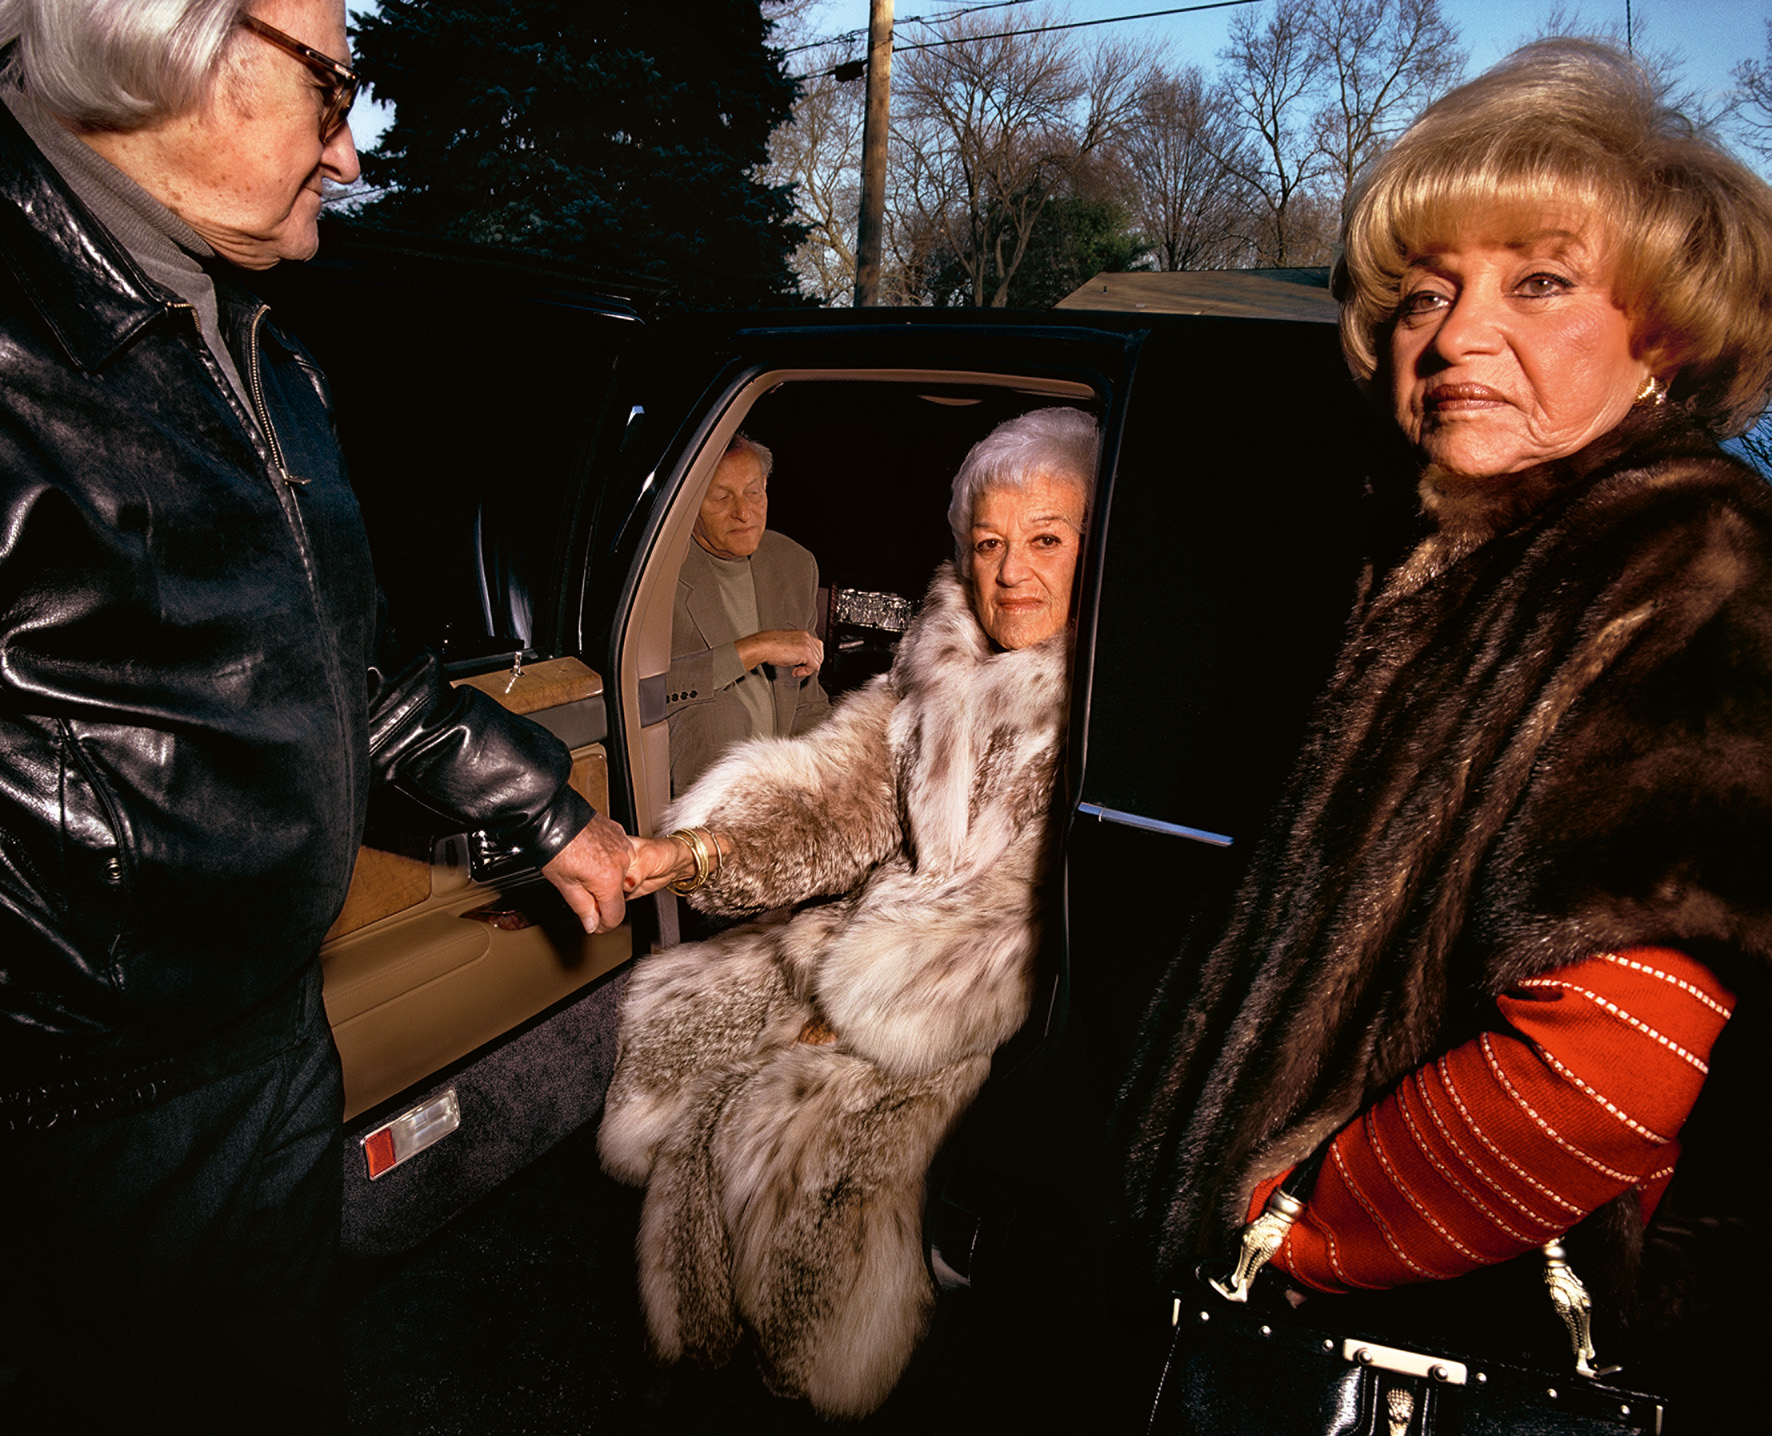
{"x": 603, "y": 868}
{"x": 655, "y": 862}
{"x": 589, "y": 873}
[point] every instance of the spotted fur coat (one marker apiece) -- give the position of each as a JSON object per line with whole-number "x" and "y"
{"x": 784, "y": 1180}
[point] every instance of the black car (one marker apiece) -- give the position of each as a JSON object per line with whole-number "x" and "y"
{"x": 530, "y": 448}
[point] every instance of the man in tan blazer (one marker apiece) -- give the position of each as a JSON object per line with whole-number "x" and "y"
{"x": 744, "y": 657}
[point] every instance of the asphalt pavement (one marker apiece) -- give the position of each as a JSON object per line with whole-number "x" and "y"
{"x": 521, "y": 1316}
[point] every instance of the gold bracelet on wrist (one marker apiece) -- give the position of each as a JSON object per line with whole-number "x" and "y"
{"x": 711, "y": 845}
{"x": 705, "y": 852}
{"x": 684, "y": 886}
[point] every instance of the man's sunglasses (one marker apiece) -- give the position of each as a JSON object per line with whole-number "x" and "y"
{"x": 340, "y": 81}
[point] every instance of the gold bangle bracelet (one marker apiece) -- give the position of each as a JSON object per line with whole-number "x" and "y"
{"x": 714, "y": 859}
{"x": 684, "y": 886}
{"x": 706, "y": 854}
{"x": 704, "y": 861}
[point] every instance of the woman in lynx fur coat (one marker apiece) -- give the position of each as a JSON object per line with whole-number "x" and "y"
{"x": 782, "y": 1088}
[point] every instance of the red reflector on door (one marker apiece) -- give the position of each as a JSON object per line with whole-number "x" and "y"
{"x": 378, "y": 1149}
{"x": 411, "y": 1132}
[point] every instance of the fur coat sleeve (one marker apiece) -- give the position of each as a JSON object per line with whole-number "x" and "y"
{"x": 808, "y": 816}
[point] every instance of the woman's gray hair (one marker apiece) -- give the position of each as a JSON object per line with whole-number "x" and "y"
{"x": 1060, "y": 443}
{"x": 117, "y": 64}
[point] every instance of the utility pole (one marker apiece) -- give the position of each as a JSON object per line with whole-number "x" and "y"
{"x": 871, "y": 229}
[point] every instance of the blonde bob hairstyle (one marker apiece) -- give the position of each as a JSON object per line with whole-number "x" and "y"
{"x": 1575, "y": 124}
{"x": 117, "y": 64}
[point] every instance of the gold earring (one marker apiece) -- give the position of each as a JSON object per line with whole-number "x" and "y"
{"x": 1653, "y": 392}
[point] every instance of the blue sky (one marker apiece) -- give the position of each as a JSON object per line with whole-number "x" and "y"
{"x": 1707, "y": 37}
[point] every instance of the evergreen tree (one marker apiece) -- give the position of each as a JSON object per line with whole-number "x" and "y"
{"x": 617, "y": 133}
{"x": 1078, "y": 237}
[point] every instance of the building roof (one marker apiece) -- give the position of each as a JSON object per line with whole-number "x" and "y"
{"x": 1248, "y": 293}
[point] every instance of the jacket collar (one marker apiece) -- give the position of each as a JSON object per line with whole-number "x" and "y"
{"x": 91, "y": 294}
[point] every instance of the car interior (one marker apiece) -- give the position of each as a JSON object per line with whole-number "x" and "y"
{"x": 863, "y": 464}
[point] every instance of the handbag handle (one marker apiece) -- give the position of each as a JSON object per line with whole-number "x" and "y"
{"x": 1569, "y": 1296}
{"x": 1262, "y": 1238}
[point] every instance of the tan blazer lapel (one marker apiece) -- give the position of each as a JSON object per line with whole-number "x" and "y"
{"x": 703, "y": 608}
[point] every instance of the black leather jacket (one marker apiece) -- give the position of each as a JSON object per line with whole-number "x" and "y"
{"x": 196, "y": 689}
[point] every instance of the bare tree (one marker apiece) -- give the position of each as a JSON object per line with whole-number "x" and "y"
{"x": 1182, "y": 159}
{"x": 790, "y": 21}
{"x": 819, "y": 152}
{"x": 1756, "y": 445}
{"x": 1382, "y": 62}
{"x": 1751, "y": 111}
{"x": 1751, "y": 104}
{"x": 916, "y": 256}
{"x": 1271, "y": 69}
{"x": 989, "y": 127}
{"x": 1665, "y": 65}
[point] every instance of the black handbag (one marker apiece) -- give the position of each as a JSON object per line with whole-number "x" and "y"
{"x": 1244, "y": 1361}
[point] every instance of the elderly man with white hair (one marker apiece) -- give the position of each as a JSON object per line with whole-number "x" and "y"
{"x": 744, "y": 657}
{"x": 196, "y": 696}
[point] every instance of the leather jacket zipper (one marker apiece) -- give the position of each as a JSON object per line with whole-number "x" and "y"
{"x": 255, "y": 382}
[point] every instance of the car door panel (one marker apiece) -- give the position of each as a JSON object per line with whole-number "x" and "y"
{"x": 469, "y": 465}
{"x": 425, "y": 965}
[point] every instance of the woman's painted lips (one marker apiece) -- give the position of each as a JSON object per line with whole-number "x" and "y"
{"x": 1449, "y": 396}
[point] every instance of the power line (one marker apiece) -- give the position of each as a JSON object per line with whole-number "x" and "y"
{"x": 969, "y": 10}
{"x": 1077, "y": 24}
{"x": 1009, "y": 34}
{"x": 852, "y": 35}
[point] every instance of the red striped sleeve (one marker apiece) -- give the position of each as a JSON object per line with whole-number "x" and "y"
{"x": 1515, "y": 1136}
